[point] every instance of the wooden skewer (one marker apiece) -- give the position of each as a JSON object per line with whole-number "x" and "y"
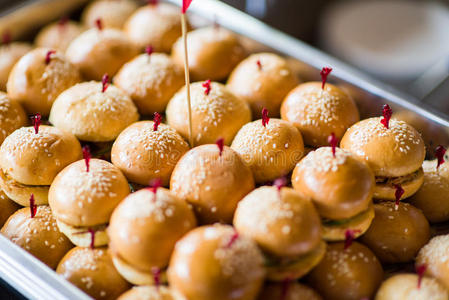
{"x": 187, "y": 77}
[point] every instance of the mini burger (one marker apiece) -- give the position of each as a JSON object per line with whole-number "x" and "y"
{"x": 151, "y": 293}
{"x": 213, "y": 53}
{"x": 12, "y": 116}
{"x": 216, "y": 113}
{"x": 213, "y": 179}
{"x": 148, "y": 150}
{"x": 10, "y": 53}
{"x": 397, "y": 232}
{"x": 7, "y": 207}
{"x": 39, "y": 77}
{"x": 318, "y": 112}
{"x": 347, "y": 273}
{"x": 143, "y": 231}
{"x": 93, "y": 111}
{"x": 263, "y": 80}
{"x": 151, "y": 80}
{"x": 34, "y": 229}
{"x": 435, "y": 257}
{"x": 411, "y": 286}
{"x": 270, "y": 147}
{"x": 82, "y": 198}
{"x": 165, "y": 24}
{"x": 113, "y": 13}
{"x": 92, "y": 271}
{"x": 30, "y": 158}
{"x": 100, "y": 50}
{"x": 286, "y": 226}
{"x": 394, "y": 151}
{"x": 288, "y": 290}
{"x": 58, "y": 35}
{"x": 341, "y": 187}
{"x": 215, "y": 262}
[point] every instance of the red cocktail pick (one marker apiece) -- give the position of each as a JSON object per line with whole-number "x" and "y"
{"x": 63, "y": 21}
{"x": 280, "y": 183}
{"x": 350, "y": 237}
{"x": 153, "y": 2}
{"x": 285, "y": 287}
{"x": 259, "y": 65}
{"x": 99, "y": 24}
{"x": 149, "y": 50}
{"x": 234, "y": 237}
{"x": 156, "y": 276}
{"x": 220, "y": 145}
{"x": 265, "y": 118}
{"x": 440, "y": 151}
{"x": 185, "y": 5}
{"x": 154, "y": 185}
{"x": 87, "y": 156}
{"x": 105, "y": 83}
{"x": 48, "y": 56}
{"x": 420, "y": 270}
{"x": 324, "y": 74}
{"x": 387, "y": 112}
{"x": 6, "y": 37}
{"x": 333, "y": 141}
{"x": 157, "y": 121}
{"x": 33, "y": 206}
{"x": 398, "y": 195}
{"x": 206, "y": 86}
{"x": 36, "y": 119}
{"x": 91, "y": 231}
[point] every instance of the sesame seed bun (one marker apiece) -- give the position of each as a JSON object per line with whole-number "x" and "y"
{"x": 83, "y": 199}
{"x": 113, "y": 14}
{"x": 39, "y": 235}
{"x": 431, "y": 197}
{"x": 7, "y": 207}
{"x": 226, "y": 265}
{"x": 143, "y": 154}
{"x": 58, "y": 36}
{"x": 96, "y": 52}
{"x": 396, "y": 236}
{"x": 150, "y": 81}
{"x": 80, "y": 236}
{"x": 21, "y": 193}
{"x": 217, "y": 115}
{"x": 144, "y": 229}
{"x": 92, "y": 271}
{"x": 12, "y": 116}
{"x": 165, "y": 24}
{"x": 348, "y": 274}
{"x": 151, "y": 293}
{"x": 9, "y": 55}
{"x": 435, "y": 256}
{"x": 36, "y": 84}
{"x": 271, "y": 151}
{"x": 213, "y": 53}
{"x": 211, "y": 183}
{"x": 265, "y": 86}
{"x": 92, "y": 115}
{"x": 289, "y": 291}
{"x": 405, "y": 286}
{"x": 317, "y": 113}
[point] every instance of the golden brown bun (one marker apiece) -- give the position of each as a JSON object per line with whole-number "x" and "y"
{"x": 21, "y": 193}
{"x": 58, "y": 36}
{"x": 217, "y": 115}
{"x": 143, "y": 154}
{"x": 7, "y": 207}
{"x": 270, "y": 152}
{"x": 432, "y": 198}
{"x": 80, "y": 236}
{"x": 92, "y": 115}
{"x": 392, "y": 152}
{"x": 35, "y": 84}
{"x": 150, "y": 81}
{"x": 9, "y": 55}
{"x": 39, "y": 235}
{"x": 288, "y": 291}
{"x": 226, "y": 265}
{"x": 213, "y": 184}
{"x": 144, "y": 228}
{"x": 340, "y": 187}
{"x": 165, "y": 24}
{"x": 151, "y": 293}
{"x": 396, "y": 235}
{"x": 96, "y": 52}
{"x": 405, "y": 286}
{"x": 387, "y": 191}
{"x": 113, "y": 13}
{"x": 92, "y": 271}
{"x": 284, "y": 224}
{"x": 263, "y": 87}
{"x": 213, "y": 53}
{"x": 35, "y": 159}
{"x": 317, "y": 113}
{"x": 81, "y": 198}
{"x": 435, "y": 256}
{"x": 348, "y": 274}
{"x": 12, "y": 116}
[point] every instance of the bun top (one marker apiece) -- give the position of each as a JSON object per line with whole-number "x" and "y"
{"x": 58, "y": 36}
{"x": 282, "y": 223}
{"x": 81, "y": 198}
{"x": 92, "y": 115}
{"x": 9, "y": 55}
{"x": 113, "y": 14}
{"x": 393, "y": 152}
{"x": 151, "y": 293}
{"x": 340, "y": 187}
{"x": 435, "y": 256}
{"x": 145, "y": 227}
{"x": 12, "y": 116}
{"x": 35, "y": 159}
{"x": 213, "y": 53}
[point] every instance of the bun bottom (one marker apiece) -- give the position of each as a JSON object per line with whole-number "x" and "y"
{"x": 298, "y": 267}
{"x": 133, "y": 275}
{"x": 21, "y": 193}
{"x": 384, "y": 191}
{"x": 359, "y": 223}
{"x": 80, "y": 235}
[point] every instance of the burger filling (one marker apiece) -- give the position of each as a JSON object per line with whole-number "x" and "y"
{"x": 284, "y": 262}
{"x": 401, "y": 180}
{"x": 342, "y": 222}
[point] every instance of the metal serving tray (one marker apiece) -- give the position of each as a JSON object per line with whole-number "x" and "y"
{"x": 34, "y": 280}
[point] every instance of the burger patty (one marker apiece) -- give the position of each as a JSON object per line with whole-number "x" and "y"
{"x": 329, "y": 222}
{"x": 397, "y": 180}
